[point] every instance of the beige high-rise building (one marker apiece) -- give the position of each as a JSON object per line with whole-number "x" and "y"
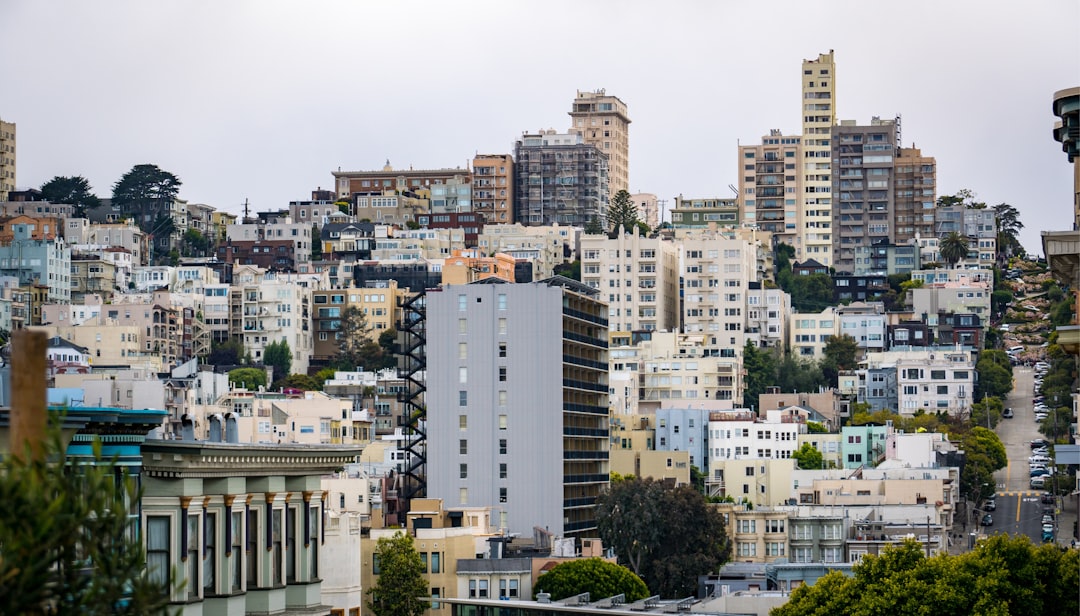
{"x": 493, "y": 188}
{"x": 7, "y": 159}
{"x": 647, "y": 209}
{"x": 814, "y": 239}
{"x": 602, "y": 120}
{"x": 638, "y": 277}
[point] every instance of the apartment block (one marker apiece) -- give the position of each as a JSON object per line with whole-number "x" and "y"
{"x": 863, "y": 187}
{"x": 703, "y": 214}
{"x": 952, "y": 297}
{"x": 266, "y": 308}
{"x": 517, "y": 387}
{"x": 758, "y": 534}
{"x": 493, "y": 188}
{"x": 637, "y": 276}
{"x": 979, "y": 226}
{"x": 716, "y": 274}
{"x": 349, "y": 183}
{"x": 543, "y": 246}
{"x": 280, "y": 245}
{"x": 771, "y": 187}
{"x": 559, "y": 178}
{"x": 768, "y": 313}
{"x": 676, "y": 367}
{"x": 819, "y": 116}
{"x": 811, "y": 331}
{"x": 886, "y": 259}
{"x": 7, "y": 159}
{"x": 469, "y": 222}
{"x": 865, "y": 322}
{"x": 44, "y": 262}
{"x": 914, "y": 196}
{"x": 760, "y": 481}
{"x": 378, "y": 304}
{"x": 602, "y": 121}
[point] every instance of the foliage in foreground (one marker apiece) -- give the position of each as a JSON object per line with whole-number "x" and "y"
{"x": 668, "y": 536}
{"x": 401, "y": 583}
{"x": 598, "y": 577}
{"x": 68, "y": 545}
{"x": 1004, "y": 575}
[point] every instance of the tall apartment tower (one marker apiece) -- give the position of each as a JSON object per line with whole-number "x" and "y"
{"x": 819, "y": 116}
{"x": 916, "y": 193}
{"x": 7, "y": 159}
{"x": 493, "y": 188}
{"x": 862, "y": 187}
{"x": 517, "y": 395}
{"x": 603, "y": 121}
{"x": 770, "y": 186}
{"x": 558, "y": 178}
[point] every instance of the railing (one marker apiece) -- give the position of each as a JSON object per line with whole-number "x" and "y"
{"x": 578, "y": 502}
{"x": 597, "y": 387}
{"x": 588, "y": 363}
{"x": 585, "y": 455}
{"x": 584, "y": 316}
{"x": 597, "y": 342}
{"x": 597, "y": 432}
{"x": 586, "y": 478}
{"x": 585, "y": 408}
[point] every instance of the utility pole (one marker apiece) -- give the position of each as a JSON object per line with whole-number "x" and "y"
{"x": 928, "y": 536}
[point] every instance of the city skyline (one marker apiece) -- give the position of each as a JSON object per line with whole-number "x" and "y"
{"x": 263, "y": 102}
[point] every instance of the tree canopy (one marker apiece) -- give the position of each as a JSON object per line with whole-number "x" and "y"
{"x": 249, "y": 378}
{"x": 278, "y": 355}
{"x": 667, "y": 536}
{"x": 74, "y": 190}
{"x": 598, "y": 577}
{"x": 145, "y": 186}
{"x": 401, "y": 581}
{"x": 1004, "y": 575}
{"x": 622, "y": 213}
{"x": 808, "y": 457}
{"x": 841, "y": 353}
{"x": 953, "y": 248}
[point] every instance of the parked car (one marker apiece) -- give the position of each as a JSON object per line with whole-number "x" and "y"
{"x": 1039, "y": 472}
{"x": 1039, "y": 442}
{"x": 1007, "y": 413}
{"x": 1047, "y": 499}
{"x": 990, "y": 505}
{"x": 1047, "y": 537}
{"x": 1037, "y": 483}
{"x": 987, "y": 520}
{"x": 1048, "y": 519}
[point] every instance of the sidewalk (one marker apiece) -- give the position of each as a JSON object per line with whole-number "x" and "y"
{"x": 1066, "y": 518}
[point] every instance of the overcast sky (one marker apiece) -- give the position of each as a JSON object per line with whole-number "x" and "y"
{"x": 262, "y": 100}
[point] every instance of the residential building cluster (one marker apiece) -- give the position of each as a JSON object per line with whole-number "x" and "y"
{"x": 518, "y": 389}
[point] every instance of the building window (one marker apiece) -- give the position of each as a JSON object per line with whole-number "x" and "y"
{"x": 502, "y": 373}
{"x": 463, "y": 447}
{"x": 502, "y": 349}
{"x": 252, "y": 555}
{"x": 158, "y": 554}
{"x": 236, "y": 583}
{"x": 502, "y": 301}
{"x": 277, "y": 552}
{"x": 463, "y": 398}
{"x": 502, "y": 397}
{"x": 502, "y": 446}
{"x": 502, "y": 470}
{"x": 290, "y": 544}
{"x": 502, "y": 495}
{"x": 502, "y": 326}
{"x": 462, "y": 350}
{"x": 209, "y": 554}
{"x": 463, "y": 471}
{"x": 502, "y": 422}
{"x": 436, "y": 564}
{"x": 463, "y": 421}
{"x": 462, "y": 304}
{"x": 463, "y": 375}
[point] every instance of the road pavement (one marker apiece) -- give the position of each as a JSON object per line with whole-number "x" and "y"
{"x": 1019, "y": 507}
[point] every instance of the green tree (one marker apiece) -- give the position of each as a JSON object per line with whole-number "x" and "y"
{"x": 316, "y": 243}
{"x": 194, "y": 243}
{"x": 622, "y": 213}
{"x": 278, "y": 355}
{"x": 146, "y": 188}
{"x": 352, "y": 334}
{"x": 994, "y": 379}
{"x": 228, "y": 353}
{"x": 1009, "y": 225}
{"x": 1005, "y": 574}
{"x": 808, "y": 457}
{"x": 249, "y": 378}
{"x": 760, "y": 371}
{"x": 795, "y": 373}
{"x": 324, "y": 375}
{"x": 1057, "y": 424}
{"x": 74, "y": 190}
{"x": 302, "y": 382}
{"x": 840, "y": 354}
{"x": 989, "y": 405}
{"x": 400, "y": 583}
{"x": 571, "y": 270}
{"x": 69, "y": 545}
{"x": 953, "y": 248}
{"x": 782, "y": 256}
{"x": 667, "y": 536}
{"x": 812, "y": 293}
{"x": 598, "y": 577}
{"x": 593, "y": 226}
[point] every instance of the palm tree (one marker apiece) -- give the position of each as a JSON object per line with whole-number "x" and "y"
{"x": 953, "y": 247}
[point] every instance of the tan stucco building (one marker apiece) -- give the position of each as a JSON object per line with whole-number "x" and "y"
{"x": 603, "y": 121}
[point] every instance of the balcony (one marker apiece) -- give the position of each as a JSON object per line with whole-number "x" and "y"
{"x": 597, "y": 387}
{"x": 1069, "y": 338}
